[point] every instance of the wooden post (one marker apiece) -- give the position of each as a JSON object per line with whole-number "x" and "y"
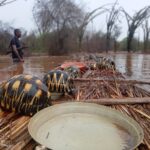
{"x": 112, "y": 101}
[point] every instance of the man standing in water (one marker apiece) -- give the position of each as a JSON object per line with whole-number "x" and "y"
{"x": 16, "y": 48}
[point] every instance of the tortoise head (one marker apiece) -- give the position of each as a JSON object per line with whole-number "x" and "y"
{"x": 73, "y": 71}
{"x": 71, "y": 87}
{"x": 1, "y": 88}
{"x": 0, "y": 93}
{"x": 113, "y": 65}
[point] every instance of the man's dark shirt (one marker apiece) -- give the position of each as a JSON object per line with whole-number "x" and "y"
{"x": 15, "y": 41}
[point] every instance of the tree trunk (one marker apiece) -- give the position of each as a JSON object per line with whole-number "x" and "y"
{"x": 61, "y": 45}
{"x": 146, "y": 40}
{"x": 80, "y": 38}
{"x": 115, "y": 45}
{"x": 107, "y": 42}
{"x": 129, "y": 41}
{"x": 145, "y": 45}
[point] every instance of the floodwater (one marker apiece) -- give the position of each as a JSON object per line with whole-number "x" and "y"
{"x": 133, "y": 66}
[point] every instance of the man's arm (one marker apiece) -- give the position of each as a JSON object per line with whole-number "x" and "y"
{"x": 16, "y": 52}
{"x": 21, "y": 48}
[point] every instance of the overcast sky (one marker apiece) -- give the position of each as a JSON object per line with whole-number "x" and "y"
{"x": 19, "y": 13}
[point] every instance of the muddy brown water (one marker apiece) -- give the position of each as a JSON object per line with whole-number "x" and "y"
{"x": 133, "y": 66}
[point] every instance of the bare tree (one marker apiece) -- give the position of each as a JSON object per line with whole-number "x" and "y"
{"x": 57, "y": 16}
{"x": 111, "y": 22}
{"x": 5, "y": 2}
{"x": 146, "y": 32}
{"x": 87, "y": 19}
{"x": 5, "y": 35}
{"x": 42, "y": 15}
{"x": 134, "y": 22}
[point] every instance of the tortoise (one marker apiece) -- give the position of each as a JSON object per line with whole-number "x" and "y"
{"x": 103, "y": 63}
{"x": 59, "y": 82}
{"x": 24, "y": 94}
{"x": 73, "y": 72}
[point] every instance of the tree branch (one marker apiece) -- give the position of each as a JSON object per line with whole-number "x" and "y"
{"x": 5, "y": 2}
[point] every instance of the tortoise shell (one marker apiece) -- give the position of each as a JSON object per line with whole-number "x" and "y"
{"x": 106, "y": 63}
{"x": 58, "y": 81}
{"x": 24, "y": 94}
{"x": 103, "y": 63}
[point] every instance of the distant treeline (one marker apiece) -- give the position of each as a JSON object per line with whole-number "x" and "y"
{"x": 61, "y": 28}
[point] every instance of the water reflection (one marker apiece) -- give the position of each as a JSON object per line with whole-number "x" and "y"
{"x": 129, "y": 65}
{"x": 134, "y": 66}
{"x": 10, "y": 71}
{"x": 18, "y": 69}
{"x": 146, "y": 67}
